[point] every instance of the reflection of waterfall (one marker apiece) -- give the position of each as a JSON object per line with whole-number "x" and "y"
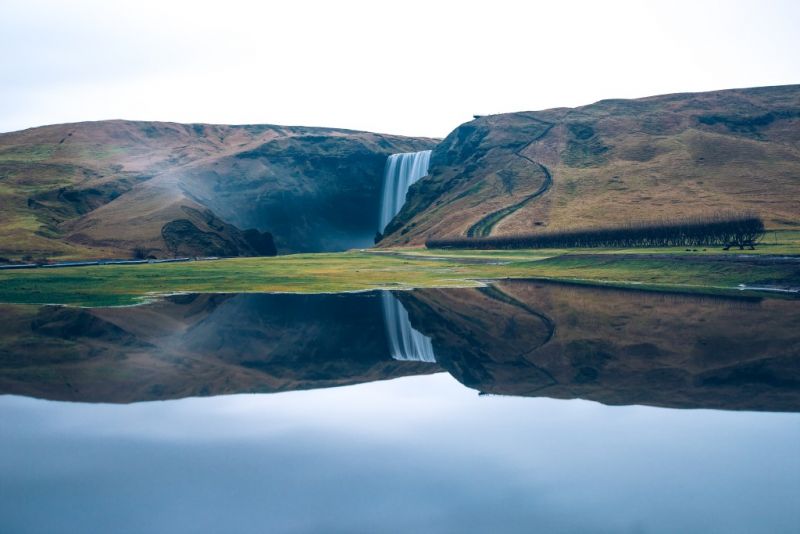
{"x": 405, "y": 343}
{"x": 402, "y": 170}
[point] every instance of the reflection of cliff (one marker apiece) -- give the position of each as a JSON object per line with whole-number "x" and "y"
{"x": 513, "y": 338}
{"x": 615, "y": 346}
{"x": 196, "y": 345}
{"x": 475, "y": 329}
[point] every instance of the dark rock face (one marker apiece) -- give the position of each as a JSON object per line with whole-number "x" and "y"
{"x": 312, "y": 192}
{"x": 261, "y": 242}
{"x": 183, "y": 237}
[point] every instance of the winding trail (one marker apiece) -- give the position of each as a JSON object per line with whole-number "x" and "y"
{"x": 484, "y": 226}
{"x": 494, "y": 292}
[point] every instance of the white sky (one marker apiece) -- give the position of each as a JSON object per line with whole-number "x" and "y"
{"x": 415, "y": 68}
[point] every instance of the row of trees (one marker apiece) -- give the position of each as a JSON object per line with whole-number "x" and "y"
{"x": 725, "y": 230}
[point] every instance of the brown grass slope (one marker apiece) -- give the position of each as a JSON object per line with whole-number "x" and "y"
{"x": 100, "y": 189}
{"x": 612, "y": 162}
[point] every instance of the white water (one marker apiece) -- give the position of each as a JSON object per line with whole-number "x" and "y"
{"x": 405, "y": 343}
{"x": 402, "y": 170}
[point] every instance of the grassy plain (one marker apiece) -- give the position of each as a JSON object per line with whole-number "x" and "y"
{"x": 672, "y": 269}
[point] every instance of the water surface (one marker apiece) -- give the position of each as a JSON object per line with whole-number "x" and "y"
{"x": 519, "y": 407}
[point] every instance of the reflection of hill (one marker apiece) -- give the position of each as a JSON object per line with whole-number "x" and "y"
{"x": 196, "y": 345}
{"x": 615, "y": 346}
{"x": 512, "y": 338}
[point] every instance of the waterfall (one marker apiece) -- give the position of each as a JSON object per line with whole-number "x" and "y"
{"x": 401, "y": 171}
{"x": 405, "y": 343}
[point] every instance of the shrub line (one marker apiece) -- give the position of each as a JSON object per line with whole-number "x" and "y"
{"x": 725, "y": 229}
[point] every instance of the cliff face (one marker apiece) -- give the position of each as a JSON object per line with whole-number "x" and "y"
{"x": 612, "y": 162}
{"x": 106, "y": 188}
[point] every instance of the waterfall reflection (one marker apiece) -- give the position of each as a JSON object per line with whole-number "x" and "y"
{"x": 405, "y": 343}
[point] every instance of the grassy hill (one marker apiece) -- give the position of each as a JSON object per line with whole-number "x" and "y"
{"x": 612, "y": 162}
{"x": 102, "y": 189}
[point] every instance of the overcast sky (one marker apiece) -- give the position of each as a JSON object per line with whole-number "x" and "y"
{"x": 415, "y": 68}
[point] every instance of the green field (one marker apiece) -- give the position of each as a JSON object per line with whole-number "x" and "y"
{"x": 670, "y": 269}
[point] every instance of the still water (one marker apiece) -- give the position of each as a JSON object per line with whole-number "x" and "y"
{"x": 521, "y": 407}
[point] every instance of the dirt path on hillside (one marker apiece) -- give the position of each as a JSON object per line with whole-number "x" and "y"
{"x": 486, "y": 224}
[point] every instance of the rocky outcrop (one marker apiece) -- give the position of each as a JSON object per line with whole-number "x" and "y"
{"x": 204, "y": 234}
